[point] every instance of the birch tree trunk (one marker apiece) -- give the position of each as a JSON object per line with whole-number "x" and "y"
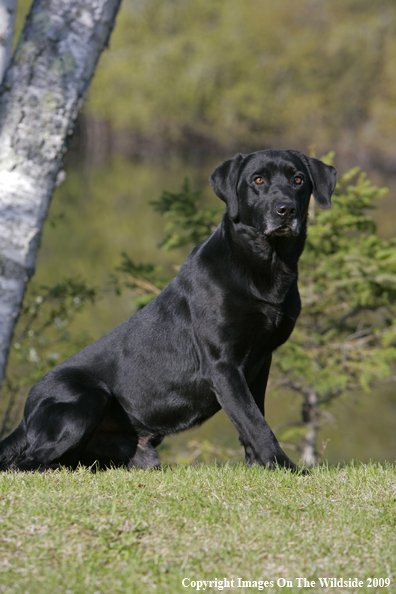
{"x": 40, "y": 97}
{"x": 310, "y": 417}
{"x": 7, "y": 21}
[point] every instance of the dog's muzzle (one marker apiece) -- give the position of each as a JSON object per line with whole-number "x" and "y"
{"x": 285, "y": 232}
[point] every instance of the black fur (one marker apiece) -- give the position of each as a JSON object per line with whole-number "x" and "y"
{"x": 203, "y": 344}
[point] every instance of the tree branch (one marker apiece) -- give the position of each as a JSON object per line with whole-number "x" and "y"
{"x": 144, "y": 284}
{"x": 350, "y": 314}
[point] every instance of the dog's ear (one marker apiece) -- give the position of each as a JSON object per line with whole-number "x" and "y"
{"x": 323, "y": 178}
{"x": 224, "y": 180}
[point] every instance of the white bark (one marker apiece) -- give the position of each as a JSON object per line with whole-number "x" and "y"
{"x": 7, "y": 21}
{"x": 310, "y": 415}
{"x": 41, "y": 94}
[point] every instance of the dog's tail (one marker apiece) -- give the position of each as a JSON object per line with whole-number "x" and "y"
{"x": 12, "y": 448}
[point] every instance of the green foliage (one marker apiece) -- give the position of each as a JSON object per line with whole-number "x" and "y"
{"x": 187, "y": 221}
{"x": 44, "y": 321}
{"x": 251, "y": 73}
{"x": 42, "y": 338}
{"x": 145, "y": 280}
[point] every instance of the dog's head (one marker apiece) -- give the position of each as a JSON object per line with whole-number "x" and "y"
{"x": 270, "y": 190}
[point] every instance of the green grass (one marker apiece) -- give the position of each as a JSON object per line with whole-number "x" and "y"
{"x": 144, "y": 531}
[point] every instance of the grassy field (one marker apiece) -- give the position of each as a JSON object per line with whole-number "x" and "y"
{"x": 125, "y": 532}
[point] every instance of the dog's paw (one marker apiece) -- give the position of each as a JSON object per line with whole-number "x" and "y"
{"x": 283, "y": 461}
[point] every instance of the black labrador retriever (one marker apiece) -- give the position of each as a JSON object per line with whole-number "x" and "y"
{"x": 203, "y": 344}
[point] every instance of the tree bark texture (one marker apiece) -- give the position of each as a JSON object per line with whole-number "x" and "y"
{"x": 310, "y": 417}
{"x": 40, "y": 97}
{"x": 7, "y": 21}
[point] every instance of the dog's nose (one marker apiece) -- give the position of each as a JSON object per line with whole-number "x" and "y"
{"x": 285, "y": 209}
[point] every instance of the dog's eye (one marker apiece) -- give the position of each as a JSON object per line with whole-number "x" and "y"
{"x": 298, "y": 180}
{"x": 259, "y": 180}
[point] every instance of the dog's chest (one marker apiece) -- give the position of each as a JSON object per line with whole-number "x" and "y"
{"x": 267, "y": 334}
{"x": 282, "y": 329}
{"x": 276, "y": 327}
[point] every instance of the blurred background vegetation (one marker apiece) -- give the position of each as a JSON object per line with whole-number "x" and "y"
{"x": 184, "y": 85}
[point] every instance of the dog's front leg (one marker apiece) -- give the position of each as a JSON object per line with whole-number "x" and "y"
{"x": 257, "y": 385}
{"x": 234, "y": 396}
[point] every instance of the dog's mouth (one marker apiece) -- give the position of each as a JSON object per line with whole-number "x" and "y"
{"x": 284, "y": 231}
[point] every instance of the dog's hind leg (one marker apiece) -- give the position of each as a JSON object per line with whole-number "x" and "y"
{"x": 60, "y": 417}
{"x": 146, "y": 455}
{"x": 13, "y": 447}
